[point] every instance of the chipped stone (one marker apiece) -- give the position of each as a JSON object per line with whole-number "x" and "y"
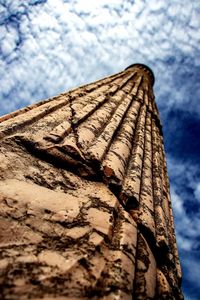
{"x": 77, "y": 232}
{"x": 99, "y": 219}
{"x": 96, "y": 239}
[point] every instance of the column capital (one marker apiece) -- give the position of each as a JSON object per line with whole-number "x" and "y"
{"x": 145, "y": 68}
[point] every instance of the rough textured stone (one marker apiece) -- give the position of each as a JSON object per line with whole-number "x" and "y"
{"x": 85, "y": 209}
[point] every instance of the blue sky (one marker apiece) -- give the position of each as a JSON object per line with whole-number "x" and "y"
{"x": 50, "y": 46}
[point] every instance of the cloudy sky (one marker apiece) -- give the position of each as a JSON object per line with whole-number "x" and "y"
{"x": 50, "y": 46}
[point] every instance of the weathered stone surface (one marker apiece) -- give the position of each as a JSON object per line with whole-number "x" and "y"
{"x": 59, "y": 235}
{"x": 145, "y": 277}
{"x": 85, "y": 209}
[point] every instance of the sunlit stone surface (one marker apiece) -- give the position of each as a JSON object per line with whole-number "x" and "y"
{"x": 85, "y": 210}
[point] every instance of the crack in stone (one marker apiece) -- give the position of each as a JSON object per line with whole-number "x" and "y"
{"x": 73, "y": 125}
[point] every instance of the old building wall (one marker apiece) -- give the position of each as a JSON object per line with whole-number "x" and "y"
{"x": 85, "y": 204}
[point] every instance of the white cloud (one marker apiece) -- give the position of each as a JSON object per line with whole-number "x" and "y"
{"x": 187, "y": 226}
{"x": 197, "y": 192}
{"x": 184, "y": 177}
{"x": 114, "y": 33}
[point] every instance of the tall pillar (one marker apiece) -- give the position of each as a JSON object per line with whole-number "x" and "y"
{"x": 85, "y": 210}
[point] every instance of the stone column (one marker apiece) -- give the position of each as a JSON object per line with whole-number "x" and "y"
{"x": 85, "y": 209}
